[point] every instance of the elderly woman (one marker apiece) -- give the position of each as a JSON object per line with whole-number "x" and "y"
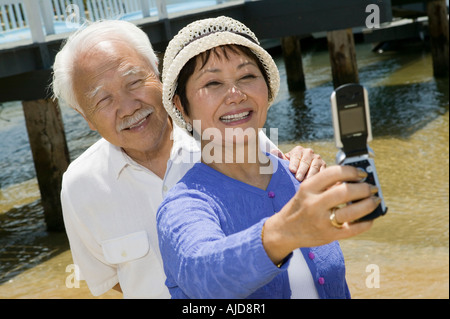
{"x": 242, "y": 227}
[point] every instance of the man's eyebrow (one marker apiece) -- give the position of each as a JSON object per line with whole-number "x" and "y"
{"x": 132, "y": 71}
{"x": 92, "y": 93}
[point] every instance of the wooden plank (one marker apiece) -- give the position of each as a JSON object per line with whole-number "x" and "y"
{"x": 404, "y": 2}
{"x": 28, "y": 86}
{"x": 395, "y": 32}
{"x": 50, "y": 154}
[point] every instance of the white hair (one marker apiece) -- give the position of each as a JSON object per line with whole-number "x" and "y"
{"x": 92, "y": 33}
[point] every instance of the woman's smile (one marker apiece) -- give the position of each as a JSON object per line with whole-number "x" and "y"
{"x": 236, "y": 118}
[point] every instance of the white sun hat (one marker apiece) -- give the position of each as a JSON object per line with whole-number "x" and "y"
{"x": 201, "y": 36}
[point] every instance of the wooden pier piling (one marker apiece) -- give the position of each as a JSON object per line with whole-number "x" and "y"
{"x": 438, "y": 29}
{"x": 292, "y": 56}
{"x": 50, "y": 153}
{"x": 341, "y": 47}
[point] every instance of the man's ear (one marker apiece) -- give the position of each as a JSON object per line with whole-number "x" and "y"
{"x": 91, "y": 125}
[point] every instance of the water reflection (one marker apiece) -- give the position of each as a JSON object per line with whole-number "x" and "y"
{"x": 401, "y": 110}
{"x": 24, "y": 241}
{"x": 397, "y": 109}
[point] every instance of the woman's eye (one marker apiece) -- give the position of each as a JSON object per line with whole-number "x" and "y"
{"x": 248, "y": 77}
{"x": 212, "y": 84}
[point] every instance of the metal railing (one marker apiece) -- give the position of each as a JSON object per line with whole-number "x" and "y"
{"x": 45, "y": 17}
{"x": 12, "y": 15}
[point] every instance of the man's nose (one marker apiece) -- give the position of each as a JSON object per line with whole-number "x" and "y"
{"x": 127, "y": 104}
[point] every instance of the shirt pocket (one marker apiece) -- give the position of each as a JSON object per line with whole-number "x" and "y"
{"x": 126, "y": 248}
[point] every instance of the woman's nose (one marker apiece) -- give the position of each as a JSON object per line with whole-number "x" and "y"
{"x": 235, "y": 95}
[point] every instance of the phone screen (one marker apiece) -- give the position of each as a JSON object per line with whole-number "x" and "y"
{"x": 352, "y": 121}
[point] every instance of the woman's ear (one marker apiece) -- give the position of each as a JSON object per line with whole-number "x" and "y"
{"x": 179, "y": 106}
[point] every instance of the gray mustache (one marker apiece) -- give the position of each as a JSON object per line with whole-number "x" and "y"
{"x": 133, "y": 119}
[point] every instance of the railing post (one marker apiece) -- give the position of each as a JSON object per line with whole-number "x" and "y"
{"x": 162, "y": 9}
{"x": 37, "y": 34}
{"x": 145, "y": 7}
{"x": 82, "y": 12}
{"x": 35, "y": 21}
{"x": 47, "y": 15}
{"x": 164, "y": 16}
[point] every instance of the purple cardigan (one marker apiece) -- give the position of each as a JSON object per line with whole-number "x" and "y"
{"x": 209, "y": 228}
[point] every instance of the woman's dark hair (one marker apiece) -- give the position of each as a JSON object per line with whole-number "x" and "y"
{"x": 190, "y": 66}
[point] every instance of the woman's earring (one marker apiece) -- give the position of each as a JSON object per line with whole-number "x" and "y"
{"x": 177, "y": 113}
{"x": 179, "y": 116}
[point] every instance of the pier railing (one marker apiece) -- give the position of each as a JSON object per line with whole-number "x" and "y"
{"x": 36, "y": 19}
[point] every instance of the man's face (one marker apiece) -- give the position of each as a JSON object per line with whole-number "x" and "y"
{"x": 121, "y": 96}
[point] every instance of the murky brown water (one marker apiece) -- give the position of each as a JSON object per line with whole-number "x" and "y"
{"x": 409, "y": 244}
{"x": 405, "y": 254}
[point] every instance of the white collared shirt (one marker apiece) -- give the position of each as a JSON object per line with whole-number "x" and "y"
{"x": 109, "y": 206}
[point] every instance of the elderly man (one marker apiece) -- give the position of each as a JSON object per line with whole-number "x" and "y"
{"x": 110, "y": 194}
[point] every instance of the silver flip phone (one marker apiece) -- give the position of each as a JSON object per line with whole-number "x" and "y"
{"x": 352, "y": 131}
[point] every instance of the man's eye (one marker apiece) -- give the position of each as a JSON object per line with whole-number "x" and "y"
{"x": 104, "y": 100}
{"x": 136, "y": 83}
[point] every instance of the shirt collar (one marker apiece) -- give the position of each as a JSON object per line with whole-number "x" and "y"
{"x": 182, "y": 141}
{"x": 117, "y": 160}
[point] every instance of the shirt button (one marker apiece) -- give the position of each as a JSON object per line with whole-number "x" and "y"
{"x": 311, "y": 255}
{"x": 165, "y": 188}
{"x": 124, "y": 254}
{"x": 271, "y": 194}
{"x": 321, "y": 280}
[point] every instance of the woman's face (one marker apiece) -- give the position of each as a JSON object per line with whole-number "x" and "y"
{"x": 227, "y": 93}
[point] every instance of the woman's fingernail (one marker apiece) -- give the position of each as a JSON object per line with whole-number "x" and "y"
{"x": 361, "y": 173}
{"x": 373, "y": 189}
{"x": 376, "y": 199}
